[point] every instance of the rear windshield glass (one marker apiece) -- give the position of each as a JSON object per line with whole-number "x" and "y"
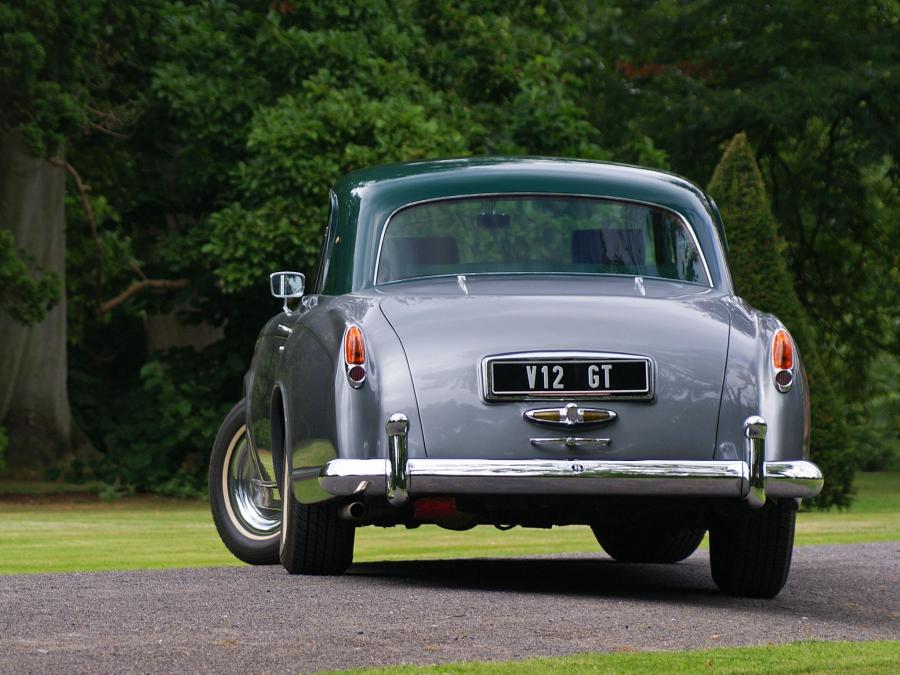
{"x": 537, "y": 235}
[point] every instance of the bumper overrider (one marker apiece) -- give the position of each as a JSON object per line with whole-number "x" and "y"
{"x": 398, "y": 476}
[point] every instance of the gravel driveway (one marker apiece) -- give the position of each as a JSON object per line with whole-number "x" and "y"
{"x": 260, "y": 619}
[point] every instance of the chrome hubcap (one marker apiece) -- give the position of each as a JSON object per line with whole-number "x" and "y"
{"x": 253, "y": 500}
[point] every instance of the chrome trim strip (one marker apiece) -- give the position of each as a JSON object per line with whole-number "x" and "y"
{"x": 488, "y": 195}
{"x": 562, "y": 356}
{"x": 570, "y": 441}
{"x": 461, "y": 282}
{"x": 476, "y": 275}
{"x": 713, "y": 479}
{"x": 397, "y": 427}
{"x": 341, "y": 477}
{"x": 755, "y": 430}
{"x": 726, "y": 479}
{"x": 569, "y": 416}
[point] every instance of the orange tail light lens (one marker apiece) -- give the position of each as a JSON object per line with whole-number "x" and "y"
{"x": 354, "y": 347}
{"x": 782, "y": 351}
{"x": 355, "y": 356}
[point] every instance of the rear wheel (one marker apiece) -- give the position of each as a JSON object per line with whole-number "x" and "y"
{"x": 244, "y": 499}
{"x": 750, "y": 555}
{"x": 646, "y": 543}
{"x": 314, "y": 539}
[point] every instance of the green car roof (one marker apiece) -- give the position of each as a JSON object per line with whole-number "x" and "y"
{"x": 362, "y": 202}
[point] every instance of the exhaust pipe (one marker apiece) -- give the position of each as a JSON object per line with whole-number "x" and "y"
{"x": 355, "y": 511}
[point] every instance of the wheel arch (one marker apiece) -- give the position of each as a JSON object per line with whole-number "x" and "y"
{"x": 278, "y": 422}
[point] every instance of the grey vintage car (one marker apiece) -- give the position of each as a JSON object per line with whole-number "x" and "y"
{"x": 520, "y": 341}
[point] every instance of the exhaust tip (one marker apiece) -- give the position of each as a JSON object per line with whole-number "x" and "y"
{"x": 353, "y": 511}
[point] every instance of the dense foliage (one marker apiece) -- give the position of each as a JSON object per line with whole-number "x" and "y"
{"x": 761, "y": 276}
{"x": 27, "y": 294}
{"x": 208, "y": 134}
{"x": 815, "y": 86}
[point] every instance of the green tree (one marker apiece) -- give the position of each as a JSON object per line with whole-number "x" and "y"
{"x": 34, "y": 404}
{"x": 761, "y": 276}
{"x": 25, "y": 293}
{"x": 815, "y": 86}
{"x": 68, "y": 72}
{"x": 205, "y": 137}
{"x": 247, "y": 115}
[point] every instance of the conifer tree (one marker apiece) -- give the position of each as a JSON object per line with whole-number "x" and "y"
{"x": 762, "y": 277}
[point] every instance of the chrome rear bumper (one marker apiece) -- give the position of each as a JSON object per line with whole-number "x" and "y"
{"x": 398, "y": 476}
{"x": 345, "y": 477}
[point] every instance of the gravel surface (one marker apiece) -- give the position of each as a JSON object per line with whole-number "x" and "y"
{"x": 260, "y": 619}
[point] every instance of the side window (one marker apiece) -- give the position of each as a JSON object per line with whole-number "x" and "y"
{"x": 325, "y": 253}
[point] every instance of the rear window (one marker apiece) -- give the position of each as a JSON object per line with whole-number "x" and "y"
{"x": 538, "y": 235}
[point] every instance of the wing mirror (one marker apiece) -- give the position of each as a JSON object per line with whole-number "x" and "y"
{"x": 287, "y": 285}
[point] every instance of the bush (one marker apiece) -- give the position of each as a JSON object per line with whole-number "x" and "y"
{"x": 155, "y": 434}
{"x": 876, "y": 418}
{"x": 761, "y": 276}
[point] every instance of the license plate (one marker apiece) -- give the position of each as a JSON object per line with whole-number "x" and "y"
{"x": 510, "y": 377}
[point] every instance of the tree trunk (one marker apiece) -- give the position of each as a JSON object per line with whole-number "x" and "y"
{"x": 34, "y": 399}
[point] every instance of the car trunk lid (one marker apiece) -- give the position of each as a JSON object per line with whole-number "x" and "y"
{"x": 448, "y": 328}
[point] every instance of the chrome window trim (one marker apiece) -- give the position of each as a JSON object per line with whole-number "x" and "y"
{"x": 327, "y": 244}
{"x": 488, "y": 195}
{"x": 563, "y": 356}
{"x": 475, "y": 275}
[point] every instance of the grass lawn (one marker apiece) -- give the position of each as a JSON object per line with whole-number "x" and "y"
{"x": 800, "y": 657}
{"x": 67, "y": 535}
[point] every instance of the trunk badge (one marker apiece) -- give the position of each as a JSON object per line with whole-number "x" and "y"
{"x": 570, "y": 416}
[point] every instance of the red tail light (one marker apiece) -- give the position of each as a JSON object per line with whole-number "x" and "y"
{"x": 355, "y": 356}
{"x": 783, "y": 360}
{"x": 434, "y": 508}
{"x": 782, "y": 350}
{"x": 354, "y": 346}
